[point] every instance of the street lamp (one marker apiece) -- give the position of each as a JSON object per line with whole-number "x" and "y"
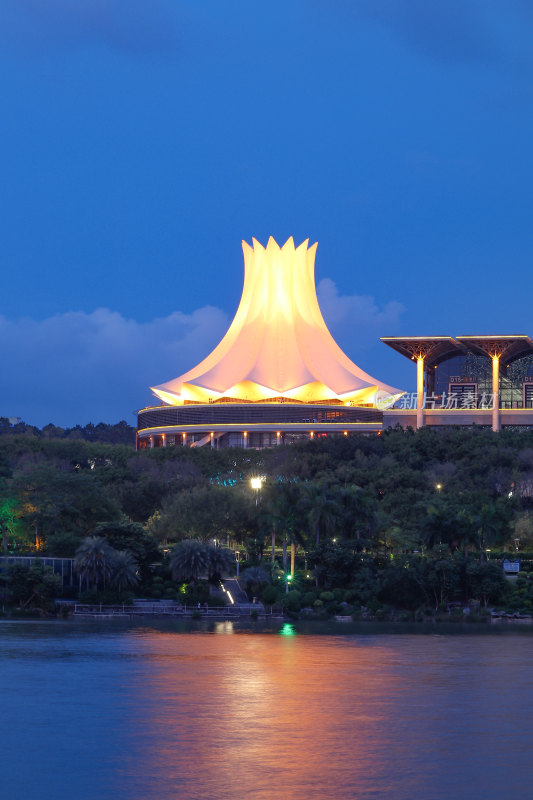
{"x": 256, "y": 484}
{"x": 438, "y": 486}
{"x": 288, "y": 579}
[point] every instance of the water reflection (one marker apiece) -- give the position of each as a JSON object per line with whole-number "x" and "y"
{"x": 269, "y": 717}
{"x": 144, "y": 713}
{"x": 224, "y": 627}
{"x": 288, "y": 630}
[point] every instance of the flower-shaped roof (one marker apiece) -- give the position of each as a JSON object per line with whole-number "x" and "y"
{"x": 278, "y": 344}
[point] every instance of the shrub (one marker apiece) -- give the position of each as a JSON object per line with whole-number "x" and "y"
{"x": 292, "y": 601}
{"x": 270, "y": 595}
{"x": 309, "y": 598}
{"x": 327, "y": 597}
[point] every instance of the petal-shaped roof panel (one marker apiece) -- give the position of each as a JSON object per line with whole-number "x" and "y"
{"x": 278, "y": 344}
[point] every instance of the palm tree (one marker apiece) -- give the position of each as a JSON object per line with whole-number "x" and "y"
{"x": 322, "y": 509}
{"x": 254, "y": 576}
{"x": 125, "y": 570}
{"x": 355, "y": 510}
{"x": 285, "y": 513}
{"x": 220, "y": 561}
{"x": 188, "y": 560}
{"x": 94, "y": 560}
{"x": 273, "y": 516}
{"x": 490, "y": 525}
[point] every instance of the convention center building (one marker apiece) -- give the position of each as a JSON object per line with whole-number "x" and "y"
{"x": 278, "y": 375}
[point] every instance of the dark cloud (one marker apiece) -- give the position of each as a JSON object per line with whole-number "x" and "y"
{"x": 77, "y": 367}
{"x": 136, "y": 26}
{"x": 448, "y": 30}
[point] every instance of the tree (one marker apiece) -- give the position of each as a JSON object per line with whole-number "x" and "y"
{"x": 485, "y": 581}
{"x": 94, "y": 561}
{"x": 8, "y": 520}
{"x": 125, "y": 570}
{"x": 440, "y": 577}
{"x": 334, "y": 564}
{"x": 34, "y": 586}
{"x": 220, "y": 561}
{"x": 322, "y": 509}
{"x": 56, "y": 501}
{"x": 285, "y": 506}
{"x": 131, "y": 536}
{"x": 189, "y": 560}
{"x": 254, "y": 580}
{"x": 448, "y": 524}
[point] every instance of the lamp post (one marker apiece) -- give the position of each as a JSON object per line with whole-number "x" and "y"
{"x": 256, "y": 484}
{"x": 288, "y": 579}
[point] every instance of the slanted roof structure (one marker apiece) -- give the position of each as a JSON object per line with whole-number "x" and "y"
{"x": 507, "y": 348}
{"x": 278, "y": 346}
{"x": 433, "y": 349}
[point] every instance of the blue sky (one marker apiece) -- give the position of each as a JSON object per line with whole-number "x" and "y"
{"x": 142, "y": 140}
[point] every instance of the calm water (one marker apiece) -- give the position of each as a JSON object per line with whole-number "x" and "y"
{"x": 137, "y": 712}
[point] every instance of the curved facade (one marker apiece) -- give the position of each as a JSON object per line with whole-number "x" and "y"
{"x": 250, "y": 424}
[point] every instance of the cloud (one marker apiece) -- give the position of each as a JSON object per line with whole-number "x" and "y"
{"x": 77, "y": 367}
{"x": 135, "y": 26}
{"x": 82, "y": 367}
{"x": 356, "y": 321}
{"x": 448, "y": 30}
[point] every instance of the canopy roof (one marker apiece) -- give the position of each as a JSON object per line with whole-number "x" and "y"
{"x": 507, "y": 347}
{"x": 278, "y": 345}
{"x": 433, "y": 349}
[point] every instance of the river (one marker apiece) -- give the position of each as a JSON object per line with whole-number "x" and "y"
{"x": 118, "y": 711}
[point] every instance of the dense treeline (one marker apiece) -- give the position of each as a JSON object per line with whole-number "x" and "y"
{"x": 399, "y": 521}
{"x": 119, "y": 433}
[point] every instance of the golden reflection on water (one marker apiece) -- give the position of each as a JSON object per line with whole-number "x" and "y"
{"x": 263, "y": 716}
{"x": 132, "y": 713}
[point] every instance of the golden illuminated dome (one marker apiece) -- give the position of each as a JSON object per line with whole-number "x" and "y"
{"x": 278, "y": 345}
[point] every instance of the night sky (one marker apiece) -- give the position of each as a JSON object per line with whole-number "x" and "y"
{"x": 142, "y": 140}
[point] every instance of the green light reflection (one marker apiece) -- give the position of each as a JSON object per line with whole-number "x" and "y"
{"x": 288, "y": 630}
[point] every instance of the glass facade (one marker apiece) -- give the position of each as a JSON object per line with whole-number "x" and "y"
{"x": 465, "y": 381}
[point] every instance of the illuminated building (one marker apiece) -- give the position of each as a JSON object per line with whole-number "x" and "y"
{"x": 483, "y": 380}
{"x": 276, "y": 375}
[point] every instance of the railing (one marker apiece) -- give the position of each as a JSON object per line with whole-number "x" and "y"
{"x": 166, "y": 610}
